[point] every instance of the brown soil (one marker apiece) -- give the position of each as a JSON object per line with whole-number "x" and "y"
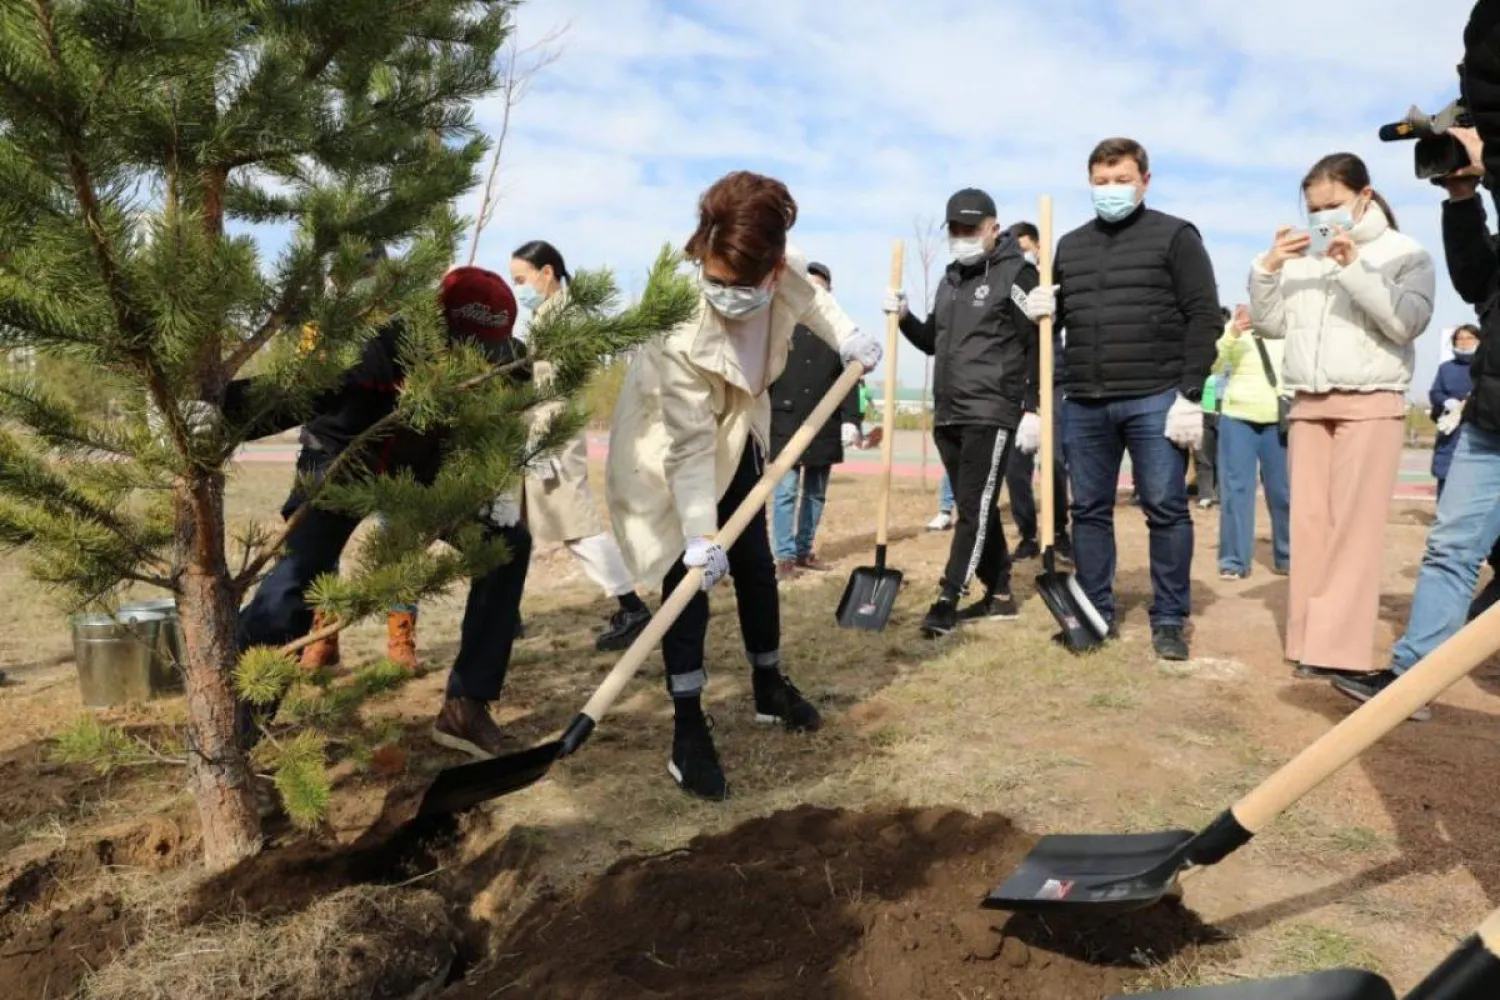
{"x": 48, "y": 960}
{"x": 817, "y": 903}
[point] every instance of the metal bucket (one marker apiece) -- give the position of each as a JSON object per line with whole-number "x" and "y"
{"x": 114, "y": 660}
{"x": 167, "y": 664}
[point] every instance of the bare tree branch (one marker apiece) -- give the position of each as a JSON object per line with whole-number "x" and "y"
{"x": 929, "y": 240}
{"x": 521, "y": 66}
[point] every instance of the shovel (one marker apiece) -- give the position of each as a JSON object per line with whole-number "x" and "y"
{"x": 456, "y": 789}
{"x": 1130, "y": 871}
{"x": 1472, "y": 972}
{"x": 1083, "y": 628}
{"x": 870, "y": 595}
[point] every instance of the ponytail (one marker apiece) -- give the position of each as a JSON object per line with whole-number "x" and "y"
{"x": 540, "y": 254}
{"x": 1385, "y": 207}
{"x": 1350, "y": 171}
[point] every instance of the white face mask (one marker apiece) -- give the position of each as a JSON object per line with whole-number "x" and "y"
{"x": 1030, "y": 256}
{"x": 735, "y": 301}
{"x": 965, "y": 249}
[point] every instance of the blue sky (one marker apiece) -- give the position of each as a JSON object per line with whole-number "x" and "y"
{"x": 874, "y": 111}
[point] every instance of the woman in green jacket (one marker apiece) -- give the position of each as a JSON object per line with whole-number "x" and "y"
{"x": 1250, "y": 434}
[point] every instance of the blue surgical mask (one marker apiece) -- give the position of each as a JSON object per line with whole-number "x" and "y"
{"x": 736, "y": 301}
{"x": 1113, "y": 202}
{"x": 530, "y": 298}
{"x": 1340, "y": 217}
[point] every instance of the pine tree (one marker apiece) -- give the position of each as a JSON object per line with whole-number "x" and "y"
{"x": 143, "y": 146}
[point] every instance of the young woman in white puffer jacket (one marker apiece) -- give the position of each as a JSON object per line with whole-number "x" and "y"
{"x": 1349, "y": 315}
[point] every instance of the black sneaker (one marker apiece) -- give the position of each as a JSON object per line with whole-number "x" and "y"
{"x": 1063, "y": 547}
{"x": 695, "y": 763}
{"x": 1310, "y": 672}
{"x": 990, "y": 608}
{"x": 1363, "y": 687}
{"x": 1169, "y": 643}
{"x": 1027, "y": 549}
{"x": 942, "y": 618}
{"x": 778, "y": 700}
{"x": 624, "y": 626}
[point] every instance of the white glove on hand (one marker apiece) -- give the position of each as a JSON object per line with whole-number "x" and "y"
{"x": 1041, "y": 302}
{"x": 545, "y": 469}
{"x": 502, "y": 512}
{"x": 849, "y": 435}
{"x": 707, "y": 555}
{"x": 1453, "y": 415}
{"x": 198, "y": 418}
{"x": 1185, "y": 423}
{"x": 1029, "y": 434}
{"x": 863, "y": 348}
{"x": 895, "y": 302}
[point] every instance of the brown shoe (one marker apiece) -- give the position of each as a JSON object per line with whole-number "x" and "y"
{"x": 812, "y": 563}
{"x": 465, "y": 724}
{"x": 401, "y": 639}
{"x": 323, "y": 653}
{"x": 786, "y": 570}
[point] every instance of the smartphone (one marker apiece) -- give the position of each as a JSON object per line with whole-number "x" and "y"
{"x": 1321, "y": 233}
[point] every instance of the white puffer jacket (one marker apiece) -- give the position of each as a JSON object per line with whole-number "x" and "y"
{"x": 1348, "y": 328}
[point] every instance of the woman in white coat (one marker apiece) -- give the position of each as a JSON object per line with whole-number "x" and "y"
{"x": 1349, "y": 314}
{"x": 688, "y": 444}
{"x": 556, "y": 500}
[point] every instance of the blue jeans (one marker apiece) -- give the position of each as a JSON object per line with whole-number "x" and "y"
{"x": 794, "y": 528}
{"x": 1097, "y": 434}
{"x": 1242, "y": 447}
{"x": 945, "y": 495}
{"x": 1467, "y": 525}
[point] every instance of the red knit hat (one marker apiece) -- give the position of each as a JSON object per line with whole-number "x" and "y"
{"x": 478, "y": 303}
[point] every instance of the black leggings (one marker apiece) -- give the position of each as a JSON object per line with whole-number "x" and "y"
{"x": 754, "y": 571}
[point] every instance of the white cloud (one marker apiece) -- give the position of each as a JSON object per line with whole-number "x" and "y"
{"x": 874, "y": 111}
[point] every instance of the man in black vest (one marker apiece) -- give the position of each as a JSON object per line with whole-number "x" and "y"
{"x": 812, "y": 368}
{"x": 1137, "y": 295}
{"x": 984, "y": 380}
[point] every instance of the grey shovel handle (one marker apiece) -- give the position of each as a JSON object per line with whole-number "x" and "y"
{"x": 1436, "y": 673}
{"x": 748, "y": 510}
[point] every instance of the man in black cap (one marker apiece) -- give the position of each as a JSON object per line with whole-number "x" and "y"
{"x": 812, "y": 367}
{"x": 984, "y": 388}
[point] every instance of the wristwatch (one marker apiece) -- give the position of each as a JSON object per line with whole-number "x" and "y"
{"x": 1194, "y": 395}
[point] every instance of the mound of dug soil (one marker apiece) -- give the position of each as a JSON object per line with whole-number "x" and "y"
{"x": 816, "y": 903}
{"x": 51, "y": 957}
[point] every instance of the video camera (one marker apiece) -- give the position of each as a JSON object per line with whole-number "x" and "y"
{"x": 1437, "y": 154}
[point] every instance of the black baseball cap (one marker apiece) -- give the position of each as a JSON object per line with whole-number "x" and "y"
{"x": 970, "y": 207}
{"x": 821, "y": 270}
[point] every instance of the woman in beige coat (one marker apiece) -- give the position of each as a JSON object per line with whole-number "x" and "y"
{"x": 688, "y": 444}
{"x": 556, "y": 500}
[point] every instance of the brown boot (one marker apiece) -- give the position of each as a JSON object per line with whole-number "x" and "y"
{"x": 465, "y": 724}
{"x": 323, "y": 653}
{"x": 401, "y": 639}
{"x": 786, "y": 570}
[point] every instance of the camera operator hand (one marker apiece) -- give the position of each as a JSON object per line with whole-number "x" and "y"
{"x": 1464, "y": 182}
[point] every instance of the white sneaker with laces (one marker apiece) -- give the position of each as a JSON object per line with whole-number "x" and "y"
{"x": 942, "y": 522}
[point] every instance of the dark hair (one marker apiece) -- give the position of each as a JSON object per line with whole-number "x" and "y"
{"x": 540, "y": 254}
{"x": 1350, "y": 171}
{"x": 1466, "y": 326}
{"x": 821, "y": 270}
{"x": 1226, "y": 313}
{"x": 1026, "y": 229}
{"x": 1111, "y": 151}
{"x": 742, "y": 219}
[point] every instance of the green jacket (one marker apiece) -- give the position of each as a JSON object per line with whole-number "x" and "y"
{"x": 1248, "y": 396}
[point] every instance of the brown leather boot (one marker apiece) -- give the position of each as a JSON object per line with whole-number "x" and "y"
{"x": 323, "y": 653}
{"x": 401, "y": 639}
{"x": 464, "y": 724}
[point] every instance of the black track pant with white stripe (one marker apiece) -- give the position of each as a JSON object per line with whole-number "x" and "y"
{"x": 975, "y": 456}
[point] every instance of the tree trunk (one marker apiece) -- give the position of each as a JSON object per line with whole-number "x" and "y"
{"x": 220, "y": 774}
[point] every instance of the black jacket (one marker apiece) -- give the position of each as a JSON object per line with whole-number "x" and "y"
{"x": 366, "y": 393}
{"x": 1474, "y": 267}
{"x": 984, "y": 348}
{"x": 811, "y": 369}
{"x": 1141, "y": 307}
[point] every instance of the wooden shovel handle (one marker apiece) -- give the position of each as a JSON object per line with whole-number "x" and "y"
{"x": 888, "y": 434}
{"x": 1489, "y": 933}
{"x": 749, "y": 509}
{"x": 1436, "y": 673}
{"x": 1044, "y": 346}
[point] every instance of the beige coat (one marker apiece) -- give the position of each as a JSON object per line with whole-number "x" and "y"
{"x": 562, "y": 510}
{"x": 683, "y": 419}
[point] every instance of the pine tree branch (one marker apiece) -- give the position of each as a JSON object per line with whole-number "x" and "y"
{"x": 376, "y": 430}
{"x": 317, "y": 635}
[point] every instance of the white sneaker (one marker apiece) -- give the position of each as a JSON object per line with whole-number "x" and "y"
{"x": 942, "y": 522}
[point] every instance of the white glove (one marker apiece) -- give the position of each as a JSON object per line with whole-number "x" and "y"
{"x": 707, "y": 555}
{"x": 849, "y": 435}
{"x": 863, "y": 348}
{"x": 502, "y": 512}
{"x": 1185, "y": 423}
{"x": 1453, "y": 415}
{"x": 1029, "y": 434}
{"x": 895, "y": 302}
{"x": 1041, "y": 302}
{"x": 545, "y": 468}
{"x": 197, "y": 416}
{"x": 1449, "y": 405}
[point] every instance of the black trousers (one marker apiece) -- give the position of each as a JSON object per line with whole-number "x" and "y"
{"x": 975, "y": 458}
{"x": 1206, "y": 458}
{"x": 1018, "y": 473}
{"x": 753, "y": 569}
{"x": 279, "y": 612}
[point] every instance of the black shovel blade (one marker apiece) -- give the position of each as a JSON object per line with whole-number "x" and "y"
{"x": 1096, "y": 872}
{"x": 1335, "y": 984}
{"x": 460, "y": 788}
{"x": 1083, "y": 628}
{"x": 869, "y": 598}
